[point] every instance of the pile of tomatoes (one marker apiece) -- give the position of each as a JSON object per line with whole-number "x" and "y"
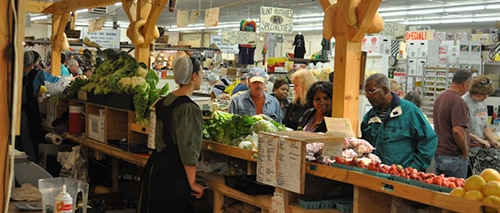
{"x": 410, "y": 173}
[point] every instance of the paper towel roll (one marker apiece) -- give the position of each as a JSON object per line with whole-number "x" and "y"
{"x": 53, "y": 138}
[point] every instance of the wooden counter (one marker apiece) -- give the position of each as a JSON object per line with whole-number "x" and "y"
{"x": 368, "y": 189}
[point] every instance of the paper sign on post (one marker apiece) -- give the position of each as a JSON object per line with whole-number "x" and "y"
{"x": 342, "y": 125}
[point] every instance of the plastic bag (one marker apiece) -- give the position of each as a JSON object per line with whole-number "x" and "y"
{"x": 58, "y": 87}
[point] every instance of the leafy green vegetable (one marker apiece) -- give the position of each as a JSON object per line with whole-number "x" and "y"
{"x": 120, "y": 73}
{"x": 225, "y": 128}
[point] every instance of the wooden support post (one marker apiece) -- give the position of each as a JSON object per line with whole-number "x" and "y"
{"x": 218, "y": 201}
{"x": 58, "y": 24}
{"x": 347, "y": 75}
{"x": 10, "y": 87}
{"x": 377, "y": 201}
{"x": 345, "y": 98}
{"x": 286, "y": 198}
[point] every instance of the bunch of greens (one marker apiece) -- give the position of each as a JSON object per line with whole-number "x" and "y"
{"x": 120, "y": 73}
{"x": 225, "y": 127}
{"x": 75, "y": 86}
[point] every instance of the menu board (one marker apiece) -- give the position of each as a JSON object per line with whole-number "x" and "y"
{"x": 281, "y": 161}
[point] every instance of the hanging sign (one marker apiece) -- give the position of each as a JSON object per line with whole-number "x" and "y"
{"x": 182, "y": 18}
{"x": 105, "y": 38}
{"x": 419, "y": 35}
{"x": 276, "y": 20}
{"x": 212, "y": 17}
{"x": 223, "y": 47}
{"x": 239, "y": 37}
{"x": 194, "y": 16}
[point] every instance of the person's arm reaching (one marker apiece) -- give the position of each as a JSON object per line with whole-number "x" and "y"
{"x": 474, "y": 137}
{"x": 491, "y": 139}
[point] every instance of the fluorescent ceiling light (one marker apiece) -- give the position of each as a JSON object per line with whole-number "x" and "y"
{"x": 487, "y": 19}
{"x": 464, "y": 8}
{"x": 118, "y": 4}
{"x": 39, "y": 17}
{"x": 493, "y": 6}
{"x": 429, "y": 11}
{"x": 396, "y": 13}
{"x": 203, "y": 28}
{"x": 303, "y": 20}
{"x": 82, "y": 11}
{"x": 462, "y": 20}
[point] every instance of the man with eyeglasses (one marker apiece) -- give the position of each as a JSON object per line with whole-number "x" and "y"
{"x": 396, "y": 127}
{"x": 451, "y": 123}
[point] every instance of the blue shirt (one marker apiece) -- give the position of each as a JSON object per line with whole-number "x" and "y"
{"x": 40, "y": 79}
{"x": 64, "y": 70}
{"x": 244, "y": 105}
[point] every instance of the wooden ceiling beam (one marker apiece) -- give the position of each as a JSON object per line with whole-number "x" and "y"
{"x": 150, "y": 26}
{"x": 130, "y": 9}
{"x": 71, "y": 5}
{"x": 37, "y": 6}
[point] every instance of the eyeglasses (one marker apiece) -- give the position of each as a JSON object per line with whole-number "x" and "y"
{"x": 373, "y": 92}
{"x": 485, "y": 82}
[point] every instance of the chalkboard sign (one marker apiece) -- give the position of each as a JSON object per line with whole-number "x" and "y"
{"x": 281, "y": 157}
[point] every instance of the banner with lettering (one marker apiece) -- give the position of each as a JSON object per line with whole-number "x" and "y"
{"x": 212, "y": 17}
{"x": 276, "y": 20}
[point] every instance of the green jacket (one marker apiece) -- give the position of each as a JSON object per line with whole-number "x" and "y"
{"x": 404, "y": 138}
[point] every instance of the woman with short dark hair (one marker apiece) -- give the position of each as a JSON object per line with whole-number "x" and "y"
{"x": 319, "y": 96}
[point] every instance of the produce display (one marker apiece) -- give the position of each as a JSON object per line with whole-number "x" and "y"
{"x": 231, "y": 129}
{"x": 120, "y": 73}
{"x": 484, "y": 187}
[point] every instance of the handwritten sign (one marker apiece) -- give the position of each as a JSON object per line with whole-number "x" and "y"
{"x": 212, "y": 17}
{"x": 342, "y": 125}
{"x": 105, "y": 38}
{"x": 394, "y": 30}
{"x": 280, "y": 162}
{"x": 278, "y": 203}
{"x": 276, "y": 20}
{"x": 419, "y": 35}
{"x": 239, "y": 37}
{"x": 223, "y": 47}
{"x": 281, "y": 157}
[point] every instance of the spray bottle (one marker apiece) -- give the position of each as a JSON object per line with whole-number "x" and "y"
{"x": 63, "y": 202}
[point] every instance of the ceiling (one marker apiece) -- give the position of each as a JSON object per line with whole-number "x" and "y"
{"x": 237, "y": 10}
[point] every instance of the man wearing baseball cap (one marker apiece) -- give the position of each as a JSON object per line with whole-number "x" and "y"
{"x": 256, "y": 101}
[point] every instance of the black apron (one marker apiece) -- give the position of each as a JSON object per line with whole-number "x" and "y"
{"x": 31, "y": 122}
{"x": 165, "y": 186}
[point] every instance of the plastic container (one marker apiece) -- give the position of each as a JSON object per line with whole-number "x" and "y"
{"x": 63, "y": 203}
{"x": 50, "y": 188}
{"x": 76, "y": 123}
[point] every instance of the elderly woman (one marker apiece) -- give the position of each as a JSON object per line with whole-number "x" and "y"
{"x": 320, "y": 96}
{"x": 481, "y": 136}
{"x": 302, "y": 81}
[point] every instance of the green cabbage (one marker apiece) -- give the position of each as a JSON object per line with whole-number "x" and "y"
{"x": 263, "y": 125}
